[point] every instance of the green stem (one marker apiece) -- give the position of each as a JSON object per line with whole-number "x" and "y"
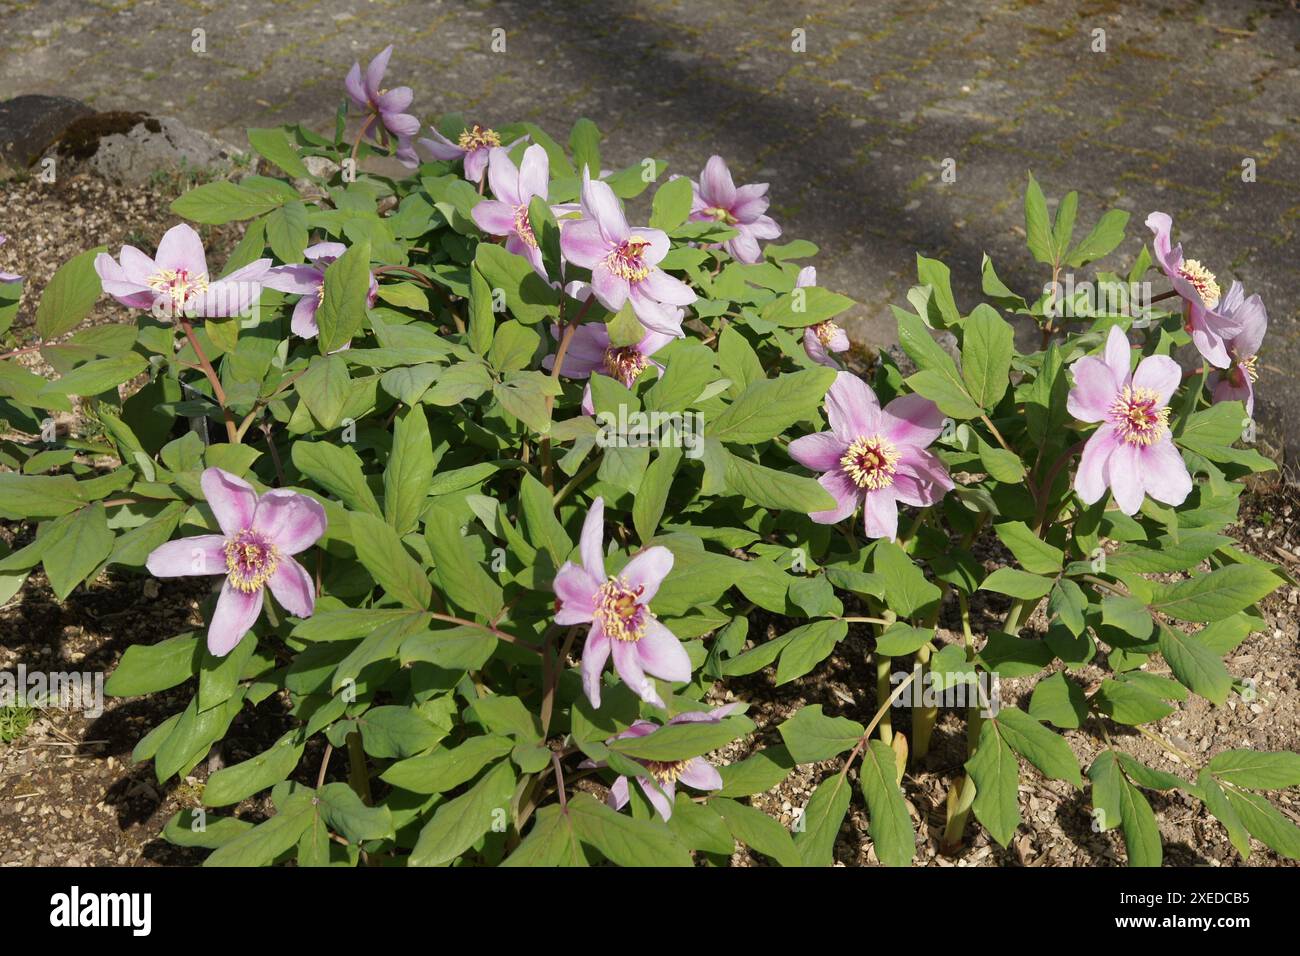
{"x": 923, "y": 718}
{"x": 882, "y": 695}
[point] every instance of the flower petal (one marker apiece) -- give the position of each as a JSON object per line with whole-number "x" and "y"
{"x": 201, "y": 554}
{"x": 852, "y": 408}
{"x": 1095, "y": 388}
{"x": 1124, "y": 475}
{"x": 576, "y": 590}
{"x": 600, "y": 203}
{"x": 611, "y": 290}
{"x": 659, "y": 795}
{"x": 662, "y": 654}
{"x": 701, "y": 775}
{"x": 494, "y": 217}
{"x": 235, "y": 614}
{"x": 1159, "y": 373}
{"x": 1164, "y": 473}
{"x": 820, "y": 452}
{"x": 627, "y": 661}
{"x": 647, "y": 571}
{"x": 1090, "y": 479}
{"x": 912, "y": 420}
{"x": 1117, "y": 354}
{"x": 291, "y": 521}
{"x": 534, "y": 174}
{"x": 716, "y": 184}
{"x": 591, "y": 541}
{"x": 582, "y": 244}
{"x": 293, "y": 587}
{"x": 595, "y": 652}
{"x": 231, "y": 498}
{"x": 880, "y": 513}
{"x": 844, "y": 491}
{"x": 181, "y": 249}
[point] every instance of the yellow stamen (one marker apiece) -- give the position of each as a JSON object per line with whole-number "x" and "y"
{"x": 478, "y": 137}
{"x": 870, "y": 462}
{"x": 1207, "y": 287}
{"x": 1139, "y": 416}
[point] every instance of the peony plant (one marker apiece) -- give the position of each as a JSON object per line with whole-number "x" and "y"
{"x": 537, "y": 459}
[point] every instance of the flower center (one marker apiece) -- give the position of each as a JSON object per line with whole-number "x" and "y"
{"x": 825, "y": 331}
{"x": 721, "y": 215}
{"x": 178, "y": 284}
{"x": 625, "y": 364}
{"x": 250, "y": 560}
{"x": 1203, "y": 280}
{"x": 628, "y": 260}
{"x": 523, "y": 228}
{"x": 870, "y": 462}
{"x": 478, "y": 137}
{"x": 666, "y": 771}
{"x": 1140, "y": 416}
{"x": 619, "y": 610}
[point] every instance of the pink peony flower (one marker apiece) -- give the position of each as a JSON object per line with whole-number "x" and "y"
{"x": 718, "y": 199}
{"x": 590, "y": 354}
{"x": 1133, "y": 452}
{"x": 474, "y": 145}
{"x": 1237, "y": 383}
{"x": 874, "y": 456}
{"x": 618, "y": 609}
{"x": 1197, "y": 286}
{"x": 825, "y": 337}
{"x": 381, "y": 105}
{"x": 623, "y": 260}
{"x": 254, "y": 551}
{"x": 308, "y": 281}
{"x": 514, "y": 188}
{"x": 176, "y": 282}
{"x": 661, "y": 787}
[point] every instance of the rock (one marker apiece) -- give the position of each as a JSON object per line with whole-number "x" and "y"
{"x": 30, "y": 124}
{"x": 128, "y": 148}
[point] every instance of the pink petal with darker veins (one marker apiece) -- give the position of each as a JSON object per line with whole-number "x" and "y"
{"x": 293, "y": 522}
{"x": 293, "y": 588}
{"x": 232, "y": 500}
{"x": 235, "y": 615}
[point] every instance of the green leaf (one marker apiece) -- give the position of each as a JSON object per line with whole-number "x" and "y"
{"x": 770, "y": 406}
{"x": 1038, "y": 232}
{"x": 807, "y": 648}
{"x": 1265, "y": 823}
{"x": 997, "y": 775}
{"x": 1104, "y": 239}
{"x": 821, "y": 820}
{"x": 1196, "y": 666}
{"x": 74, "y": 548}
{"x": 149, "y": 668}
{"x": 337, "y": 469}
{"x": 950, "y": 396}
{"x": 672, "y": 204}
{"x": 1033, "y": 553}
{"x": 395, "y": 731}
{"x": 261, "y": 845}
{"x": 683, "y": 741}
{"x": 1046, "y": 750}
{"x": 68, "y": 296}
{"x": 758, "y": 831}
{"x": 544, "y": 529}
{"x": 551, "y": 842}
{"x": 899, "y": 639}
{"x": 230, "y": 785}
{"x": 98, "y": 376}
{"x": 1068, "y": 604}
{"x": 1214, "y": 596}
{"x": 1017, "y": 583}
{"x": 446, "y": 768}
{"x": 384, "y": 556}
{"x": 287, "y": 232}
{"x": 1059, "y": 701}
{"x": 889, "y": 822}
{"x": 34, "y": 497}
{"x": 215, "y": 204}
{"x": 345, "y": 814}
{"x": 811, "y": 736}
{"x": 406, "y": 479}
{"x": 325, "y": 388}
{"x": 1121, "y": 804}
{"x": 652, "y": 496}
{"x": 274, "y": 144}
{"x": 906, "y": 589}
{"x": 1256, "y": 770}
{"x": 803, "y": 307}
{"x": 1129, "y": 704}
{"x": 775, "y": 489}
{"x": 1128, "y": 614}
{"x": 342, "y": 310}
{"x": 1063, "y": 224}
{"x": 623, "y": 840}
{"x": 457, "y": 824}
{"x": 462, "y": 577}
{"x": 938, "y": 277}
{"x": 757, "y": 773}
{"x": 987, "y": 346}
{"x": 1217, "y": 802}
